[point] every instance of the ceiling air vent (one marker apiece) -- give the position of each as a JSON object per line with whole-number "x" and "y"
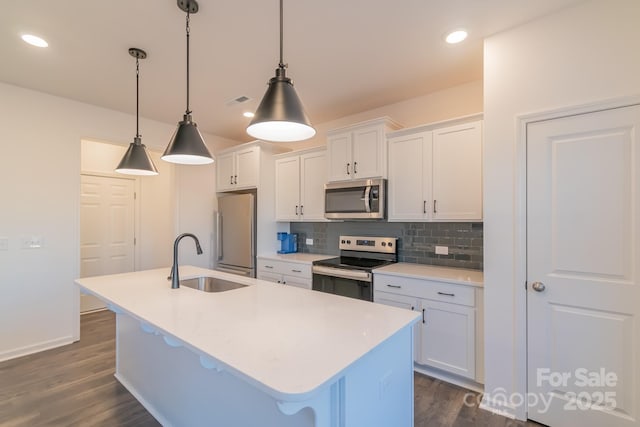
{"x": 239, "y": 100}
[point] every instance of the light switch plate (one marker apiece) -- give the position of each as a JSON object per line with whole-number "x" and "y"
{"x": 309, "y": 242}
{"x": 442, "y": 250}
{"x": 32, "y": 242}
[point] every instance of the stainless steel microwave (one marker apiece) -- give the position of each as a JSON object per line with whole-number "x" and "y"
{"x": 357, "y": 199}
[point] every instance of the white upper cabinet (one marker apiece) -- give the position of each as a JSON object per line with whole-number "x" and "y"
{"x": 457, "y": 172}
{"x": 435, "y": 173}
{"x": 300, "y": 180}
{"x": 409, "y": 185}
{"x": 359, "y": 151}
{"x": 238, "y": 169}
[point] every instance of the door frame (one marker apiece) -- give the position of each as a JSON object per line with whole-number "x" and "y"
{"x": 520, "y": 227}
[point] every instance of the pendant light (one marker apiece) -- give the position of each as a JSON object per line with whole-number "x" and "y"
{"x": 186, "y": 145}
{"x": 280, "y": 117}
{"x": 136, "y": 160}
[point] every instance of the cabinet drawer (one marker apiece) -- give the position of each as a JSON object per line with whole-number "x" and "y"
{"x": 282, "y": 267}
{"x": 427, "y": 289}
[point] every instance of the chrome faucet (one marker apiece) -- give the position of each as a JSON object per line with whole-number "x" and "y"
{"x": 175, "y": 276}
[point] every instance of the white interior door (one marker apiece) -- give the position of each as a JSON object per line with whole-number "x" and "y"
{"x": 106, "y": 230}
{"x": 583, "y": 247}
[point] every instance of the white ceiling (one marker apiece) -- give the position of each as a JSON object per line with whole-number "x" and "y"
{"x": 344, "y": 56}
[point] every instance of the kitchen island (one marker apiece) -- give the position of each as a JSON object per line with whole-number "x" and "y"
{"x": 263, "y": 354}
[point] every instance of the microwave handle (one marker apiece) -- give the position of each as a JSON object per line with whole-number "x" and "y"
{"x": 367, "y": 199}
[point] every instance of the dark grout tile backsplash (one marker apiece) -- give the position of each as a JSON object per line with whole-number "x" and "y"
{"x": 416, "y": 240}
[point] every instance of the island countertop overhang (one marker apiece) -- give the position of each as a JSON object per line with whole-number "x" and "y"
{"x": 287, "y": 341}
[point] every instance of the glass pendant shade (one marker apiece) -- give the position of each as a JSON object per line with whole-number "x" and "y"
{"x": 187, "y": 145}
{"x": 281, "y": 116}
{"x": 136, "y": 160}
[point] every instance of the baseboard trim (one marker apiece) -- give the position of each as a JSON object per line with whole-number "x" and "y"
{"x": 36, "y": 348}
{"x": 450, "y": 378}
{"x": 148, "y": 406}
{"x": 497, "y": 407}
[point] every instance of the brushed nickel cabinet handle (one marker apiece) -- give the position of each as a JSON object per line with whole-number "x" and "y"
{"x": 434, "y": 206}
{"x": 423, "y": 321}
{"x": 355, "y": 165}
{"x": 447, "y": 294}
{"x": 395, "y": 286}
{"x": 348, "y": 173}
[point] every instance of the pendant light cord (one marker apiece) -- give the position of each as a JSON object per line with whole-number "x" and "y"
{"x": 281, "y": 64}
{"x": 188, "y": 111}
{"x": 137, "y": 97}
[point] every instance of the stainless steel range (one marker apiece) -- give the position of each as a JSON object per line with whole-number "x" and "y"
{"x": 350, "y": 274}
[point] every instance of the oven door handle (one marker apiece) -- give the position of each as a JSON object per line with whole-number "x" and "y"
{"x": 362, "y": 276}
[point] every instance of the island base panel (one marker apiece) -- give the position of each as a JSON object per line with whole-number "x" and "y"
{"x": 178, "y": 391}
{"x": 175, "y": 387}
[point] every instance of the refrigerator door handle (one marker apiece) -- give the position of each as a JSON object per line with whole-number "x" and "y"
{"x": 253, "y": 233}
{"x": 219, "y": 235}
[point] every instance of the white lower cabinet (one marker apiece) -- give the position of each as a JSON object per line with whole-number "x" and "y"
{"x": 286, "y": 273}
{"x": 446, "y": 335}
{"x": 448, "y": 338}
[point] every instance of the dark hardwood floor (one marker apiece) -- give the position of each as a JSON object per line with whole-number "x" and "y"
{"x": 74, "y": 386}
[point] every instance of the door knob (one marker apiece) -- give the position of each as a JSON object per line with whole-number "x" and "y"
{"x": 538, "y": 286}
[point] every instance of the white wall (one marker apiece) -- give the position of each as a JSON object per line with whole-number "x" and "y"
{"x": 445, "y": 104}
{"x": 40, "y": 174}
{"x": 580, "y": 55}
{"x": 195, "y": 206}
{"x": 155, "y": 216}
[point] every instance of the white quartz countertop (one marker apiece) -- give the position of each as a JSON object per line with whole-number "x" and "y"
{"x": 287, "y": 341}
{"x": 462, "y": 276}
{"x": 297, "y": 257}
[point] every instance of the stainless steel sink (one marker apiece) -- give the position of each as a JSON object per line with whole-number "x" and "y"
{"x": 210, "y": 284}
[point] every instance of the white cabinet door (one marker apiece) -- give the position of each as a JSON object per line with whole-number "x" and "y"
{"x": 448, "y": 338}
{"x": 409, "y": 185}
{"x": 299, "y": 282}
{"x": 313, "y": 176}
{"x": 270, "y": 277}
{"x": 247, "y": 168}
{"x": 339, "y": 149}
{"x": 225, "y": 172}
{"x": 368, "y": 152}
{"x": 288, "y": 189}
{"x": 409, "y": 303}
{"x": 457, "y": 172}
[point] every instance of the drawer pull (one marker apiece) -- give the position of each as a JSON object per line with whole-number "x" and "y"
{"x": 297, "y": 271}
{"x": 447, "y": 294}
{"x": 268, "y": 266}
{"x": 423, "y": 321}
{"x": 395, "y": 286}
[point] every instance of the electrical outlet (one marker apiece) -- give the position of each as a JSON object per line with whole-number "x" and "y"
{"x": 4, "y": 243}
{"x": 309, "y": 242}
{"x": 442, "y": 250}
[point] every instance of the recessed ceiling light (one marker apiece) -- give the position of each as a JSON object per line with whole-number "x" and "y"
{"x": 248, "y": 114}
{"x": 35, "y": 40}
{"x": 456, "y": 36}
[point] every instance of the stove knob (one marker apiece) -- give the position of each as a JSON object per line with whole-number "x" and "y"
{"x": 384, "y": 244}
{"x": 390, "y": 244}
{"x": 342, "y": 241}
{"x": 348, "y": 242}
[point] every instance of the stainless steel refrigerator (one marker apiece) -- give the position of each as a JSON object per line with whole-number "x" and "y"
{"x": 235, "y": 236}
